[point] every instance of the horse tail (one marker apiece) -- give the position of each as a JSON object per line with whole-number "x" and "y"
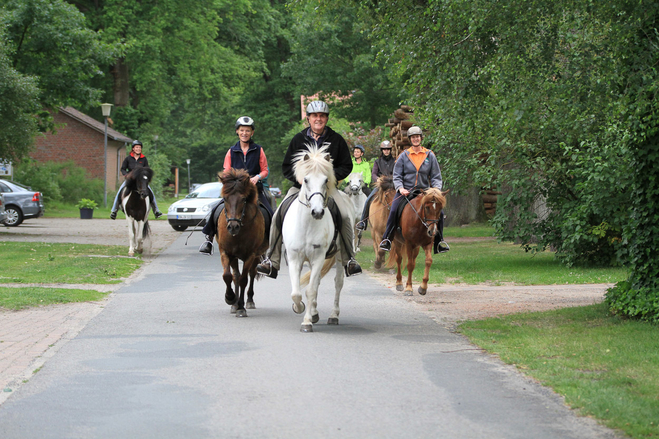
{"x": 327, "y": 266}
{"x": 391, "y": 260}
{"x": 146, "y": 230}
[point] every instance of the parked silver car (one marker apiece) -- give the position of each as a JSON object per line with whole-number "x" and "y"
{"x": 193, "y": 209}
{"x": 3, "y": 212}
{"x": 20, "y": 202}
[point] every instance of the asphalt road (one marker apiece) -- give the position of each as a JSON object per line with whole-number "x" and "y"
{"x": 167, "y": 359}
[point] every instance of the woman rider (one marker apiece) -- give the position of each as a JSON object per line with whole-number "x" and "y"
{"x": 133, "y": 160}
{"x": 245, "y": 154}
{"x": 361, "y": 165}
{"x": 415, "y": 168}
{"x": 384, "y": 165}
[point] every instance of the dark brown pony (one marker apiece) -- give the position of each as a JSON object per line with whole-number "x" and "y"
{"x": 378, "y": 212}
{"x": 240, "y": 235}
{"x": 419, "y": 224}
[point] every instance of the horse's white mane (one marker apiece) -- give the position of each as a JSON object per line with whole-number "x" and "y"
{"x": 316, "y": 163}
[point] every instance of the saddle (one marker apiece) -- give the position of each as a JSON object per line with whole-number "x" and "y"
{"x": 334, "y": 211}
{"x": 399, "y": 212}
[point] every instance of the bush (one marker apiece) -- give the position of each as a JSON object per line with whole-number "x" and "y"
{"x": 65, "y": 182}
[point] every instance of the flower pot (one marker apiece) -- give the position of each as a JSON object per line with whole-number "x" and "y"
{"x": 86, "y": 213}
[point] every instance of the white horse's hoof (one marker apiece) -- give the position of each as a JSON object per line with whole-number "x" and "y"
{"x": 306, "y": 328}
{"x": 250, "y": 305}
{"x": 241, "y": 313}
{"x": 315, "y": 318}
{"x": 422, "y": 291}
{"x": 399, "y": 287}
{"x": 333, "y": 321}
{"x": 234, "y": 308}
{"x": 408, "y": 293}
{"x": 131, "y": 254}
{"x": 300, "y": 311}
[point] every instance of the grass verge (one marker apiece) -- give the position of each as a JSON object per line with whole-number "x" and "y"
{"x": 20, "y": 298}
{"x": 490, "y": 262}
{"x": 38, "y": 262}
{"x": 55, "y": 209}
{"x": 604, "y": 366}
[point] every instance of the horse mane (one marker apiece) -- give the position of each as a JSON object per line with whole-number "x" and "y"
{"x": 384, "y": 183}
{"x": 318, "y": 161}
{"x": 236, "y": 181}
{"x": 435, "y": 195}
{"x": 136, "y": 174}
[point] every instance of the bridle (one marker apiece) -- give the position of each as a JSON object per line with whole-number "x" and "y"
{"x": 426, "y": 222}
{"x": 242, "y": 215}
{"x": 309, "y": 197}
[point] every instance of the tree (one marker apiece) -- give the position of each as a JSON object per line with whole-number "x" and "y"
{"x": 18, "y": 103}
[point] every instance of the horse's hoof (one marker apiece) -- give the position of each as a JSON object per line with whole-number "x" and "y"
{"x": 241, "y": 313}
{"x": 234, "y": 308}
{"x": 300, "y": 311}
{"x": 250, "y": 305}
{"x": 333, "y": 321}
{"x": 399, "y": 287}
{"x": 422, "y": 291}
{"x": 230, "y": 301}
{"x": 131, "y": 254}
{"x": 407, "y": 293}
{"x": 306, "y": 328}
{"x": 139, "y": 251}
{"x": 315, "y": 318}
{"x": 377, "y": 265}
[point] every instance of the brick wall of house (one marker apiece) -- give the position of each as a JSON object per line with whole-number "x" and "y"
{"x": 82, "y": 144}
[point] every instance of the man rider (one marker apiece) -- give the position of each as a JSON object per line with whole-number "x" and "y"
{"x": 319, "y": 134}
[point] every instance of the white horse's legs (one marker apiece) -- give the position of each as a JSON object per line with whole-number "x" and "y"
{"x": 338, "y": 285}
{"x": 311, "y": 316}
{"x": 294, "y": 271}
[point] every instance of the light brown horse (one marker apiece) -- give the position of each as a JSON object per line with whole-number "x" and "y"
{"x": 378, "y": 212}
{"x": 240, "y": 235}
{"x": 419, "y": 224}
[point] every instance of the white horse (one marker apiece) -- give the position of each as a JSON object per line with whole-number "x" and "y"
{"x": 308, "y": 231}
{"x": 358, "y": 199}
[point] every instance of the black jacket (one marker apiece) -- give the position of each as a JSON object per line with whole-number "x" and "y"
{"x": 384, "y": 165}
{"x": 338, "y": 150}
{"x": 131, "y": 163}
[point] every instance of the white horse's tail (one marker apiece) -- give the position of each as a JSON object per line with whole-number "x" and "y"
{"x": 327, "y": 266}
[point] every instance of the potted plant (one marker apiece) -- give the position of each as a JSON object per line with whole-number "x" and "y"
{"x": 86, "y": 207}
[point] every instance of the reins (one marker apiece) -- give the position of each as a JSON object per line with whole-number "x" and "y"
{"x": 242, "y": 216}
{"x": 423, "y": 220}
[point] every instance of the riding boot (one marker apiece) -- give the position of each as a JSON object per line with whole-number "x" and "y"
{"x": 113, "y": 215}
{"x": 385, "y": 245}
{"x": 440, "y": 246}
{"x": 352, "y": 268}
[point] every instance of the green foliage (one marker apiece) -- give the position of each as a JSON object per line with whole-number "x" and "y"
{"x": 21, "y": 298}
{"x": 64, "y": 182}
{"x": 18, "y": 103}
{"x": 161, "y": 171}
{"x": 86, "y": 203}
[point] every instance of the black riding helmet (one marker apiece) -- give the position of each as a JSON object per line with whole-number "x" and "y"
{"x": 135, "y": 143}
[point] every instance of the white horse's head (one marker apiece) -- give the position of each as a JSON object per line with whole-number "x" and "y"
{"x": 355, "y": 183}
{"x": 315, "y": 173}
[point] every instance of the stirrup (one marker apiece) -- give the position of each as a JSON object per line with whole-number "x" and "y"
{"x": 361, "y": 226}
{"x": 206, "y": 248}
{"x": 385, "y": 245}
{"x": 265, "y": 268}
{"x": 352, "y": 268}
{"x": 442, "y": 247}
{"x": 157, "y": 214}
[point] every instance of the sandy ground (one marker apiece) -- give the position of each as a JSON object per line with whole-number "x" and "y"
{"x": 447, "y": 304}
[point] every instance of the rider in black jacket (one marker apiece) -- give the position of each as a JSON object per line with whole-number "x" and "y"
{"x": 319, "y": 134}
{"x": 134, "y": 160}
{"x": 384, "y": 165}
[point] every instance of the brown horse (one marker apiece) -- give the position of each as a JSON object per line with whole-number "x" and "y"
{"x": 419, "y": 224}
{"x": 378, "y": 212}
{"x": 240, "y": 235}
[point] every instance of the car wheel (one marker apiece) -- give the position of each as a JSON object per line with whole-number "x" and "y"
{"x": 14, "y": 216}
{"x": 179, "y": 228}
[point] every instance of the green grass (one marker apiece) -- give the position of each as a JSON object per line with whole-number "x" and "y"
{"x": 37, "y": 262}
{"x": 20, "y": 298}
{"x": 605, "y": 366}
{"x": 490, "y": 262}
{"x": 476, "y": 230}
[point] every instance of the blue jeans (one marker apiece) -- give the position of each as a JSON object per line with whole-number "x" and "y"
{"x": 152, "y": 197}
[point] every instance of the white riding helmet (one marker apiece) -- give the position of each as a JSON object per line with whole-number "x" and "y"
{"x": 245, "y": 121}
{"x": 413, "y": 131}
{"x": 317, "y": 107}
{"x": 385, "y": 145}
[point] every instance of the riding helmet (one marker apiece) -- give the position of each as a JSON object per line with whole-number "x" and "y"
{"x": 413, "y": 131}
{"x": 385, "y": 145}
{"x": 317, "y": 107}
{"x": 245, "y": 121}
{"x": 361, "y": 148}
{"x": 135, "y": 143}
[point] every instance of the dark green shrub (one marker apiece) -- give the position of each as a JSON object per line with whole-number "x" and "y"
{"x": 65, "y": 182}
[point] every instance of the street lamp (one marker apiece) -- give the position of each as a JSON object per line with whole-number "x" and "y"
{"x": 106, "y": 108}
{"x": 188, "y": 162}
